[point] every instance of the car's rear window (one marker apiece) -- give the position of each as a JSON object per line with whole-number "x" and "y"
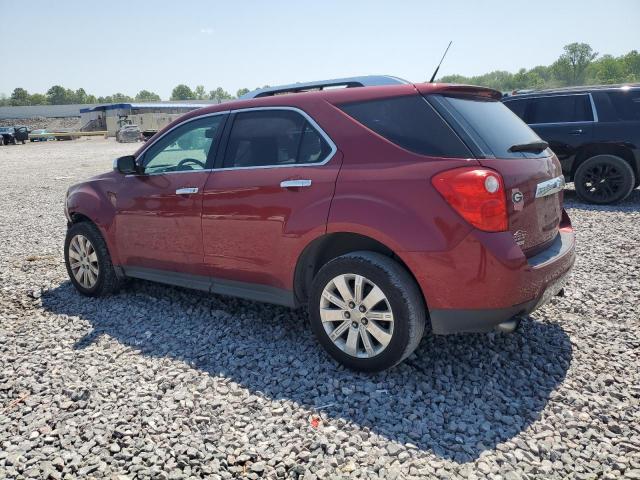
{"x": 494, "y": 125}
{"x": 621, "y": 105}
{"x": 411, "y": 123}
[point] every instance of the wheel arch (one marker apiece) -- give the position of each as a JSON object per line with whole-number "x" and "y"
{"x": 332, "y": 245}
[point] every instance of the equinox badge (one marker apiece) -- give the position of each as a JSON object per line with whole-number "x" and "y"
{"x": 550, "y": 187}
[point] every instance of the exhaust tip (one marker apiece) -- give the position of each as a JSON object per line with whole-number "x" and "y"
{"x": 510, "y": 325}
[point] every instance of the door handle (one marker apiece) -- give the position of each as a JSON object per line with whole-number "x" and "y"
{"x": 295, "y": 183}
{"x": 187, "y": 191}
{"x": 576, "y": 132}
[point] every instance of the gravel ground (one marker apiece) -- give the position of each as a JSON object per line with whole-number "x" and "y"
{"x": 160, "y": 382}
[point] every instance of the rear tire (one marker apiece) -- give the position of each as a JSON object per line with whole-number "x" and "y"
{"x": 397, "y": 320}
{"x": 604, "y": 179}
{"x": 84, "y": 248}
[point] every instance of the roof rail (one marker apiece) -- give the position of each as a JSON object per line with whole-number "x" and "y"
{"x": 576, "y": 89}
{"x": 364, "y": 81}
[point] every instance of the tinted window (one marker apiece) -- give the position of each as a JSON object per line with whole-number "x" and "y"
{"x": 519, "y": 107}
{"x": 618, "y": 106}
{"x": 494, "y": 124}
{"x": 185, "y": 148}
{"x": 562, "y": 108}
{"x": 273, "y": 137}
{"x": 411, "y": 123}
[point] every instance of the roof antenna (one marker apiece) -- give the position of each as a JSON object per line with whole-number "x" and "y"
{"x": 433, "y": 77}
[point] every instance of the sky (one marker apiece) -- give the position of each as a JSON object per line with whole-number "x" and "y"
{"x": 125, "y": 46}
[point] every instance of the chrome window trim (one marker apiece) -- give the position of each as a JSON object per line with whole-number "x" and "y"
{"x": 560, "y": 123}
{"x": 593, "y": 108}
{"x": 313, "y": 123}
{"x": 192, "y": 119}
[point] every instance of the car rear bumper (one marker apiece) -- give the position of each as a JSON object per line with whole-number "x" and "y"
{"x": 487, "y": 280}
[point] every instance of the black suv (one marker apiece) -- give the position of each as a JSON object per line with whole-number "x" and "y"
{"x": 14, "y": 134}
{"x": 594, "y": 131}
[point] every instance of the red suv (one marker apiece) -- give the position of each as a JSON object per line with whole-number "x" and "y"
{"x": 384, "y": 209}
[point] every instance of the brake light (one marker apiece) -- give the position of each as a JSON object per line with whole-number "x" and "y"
{"x": 477, "y": 194}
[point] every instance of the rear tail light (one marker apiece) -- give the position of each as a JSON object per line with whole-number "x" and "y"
{"x": 477, "y": 194}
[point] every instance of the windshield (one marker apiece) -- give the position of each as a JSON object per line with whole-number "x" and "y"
{"x": 6, "y": 129}
{"x": 496, "y": 126}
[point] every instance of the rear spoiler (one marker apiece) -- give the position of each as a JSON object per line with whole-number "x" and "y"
{"x": 455, "y": 89}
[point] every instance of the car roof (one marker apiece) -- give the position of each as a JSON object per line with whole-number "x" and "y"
{"x": 346, "y": 95}
{"x": 570, "y": 90}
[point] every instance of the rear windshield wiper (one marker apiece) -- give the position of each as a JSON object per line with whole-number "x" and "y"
{"x": 529, "y": 147}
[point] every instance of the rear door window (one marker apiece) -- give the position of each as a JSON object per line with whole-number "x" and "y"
{"x": 491, "y": 125}
{"x": 618, "y": 106}
{"x": 262, "y": 138}
{"x": 560, "y": 109}
{"x": 411, "y": 123}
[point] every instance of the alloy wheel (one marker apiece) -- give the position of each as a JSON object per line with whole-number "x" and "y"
{"x": 356, "y": 315}
{"x": 83, "y": 261}
{"x": 602, "y": 181}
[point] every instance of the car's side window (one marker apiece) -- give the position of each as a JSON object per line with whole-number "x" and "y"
{"x": 519, "y": 107}
{"x": 262, "y": 138}
{"x": 561, "y": 109}
{"x": 186, "y": 148}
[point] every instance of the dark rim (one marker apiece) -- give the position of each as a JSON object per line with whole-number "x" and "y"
{"x": 603, "y": 181}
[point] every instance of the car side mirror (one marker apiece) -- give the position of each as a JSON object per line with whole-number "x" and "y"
{"x": 126, "y": 165}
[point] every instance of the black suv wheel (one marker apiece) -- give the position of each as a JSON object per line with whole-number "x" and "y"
{"x": 604, "y": 179}
{"x": 366, "y": 311}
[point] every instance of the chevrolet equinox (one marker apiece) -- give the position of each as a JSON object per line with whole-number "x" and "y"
{"x": 385, "y": 207}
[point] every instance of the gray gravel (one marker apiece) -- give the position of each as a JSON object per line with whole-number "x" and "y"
{"x": 160, "y": 382}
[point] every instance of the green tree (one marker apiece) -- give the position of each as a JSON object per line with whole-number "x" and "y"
{"x": 20, "y": 97}
{"x": 572, "y": 65}
{"x": 220, "y": 95}
{"x": 80, "y": 96}
{"x": 37, "y": 99}
{"x": 57, "y": 95}
{"x": 147, "y": 96}
{"x": 182, "y": 92}
{"x": 606, "y": 69}
{"x": 631, "y": 62}
{"x": 200, "y": 93}
{"x": 120, "y": 98}
{"x": 242, "y": 92}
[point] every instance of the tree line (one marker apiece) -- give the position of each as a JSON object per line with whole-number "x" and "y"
{"x": 58, "y": 95}
{"x": 579, "y": 64}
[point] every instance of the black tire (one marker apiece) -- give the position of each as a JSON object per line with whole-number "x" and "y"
{"x": 107, "y": 281}
{"x": 23, "y": 142}
{"x": 604, "y": 179}
{"x": 404, "y": 298}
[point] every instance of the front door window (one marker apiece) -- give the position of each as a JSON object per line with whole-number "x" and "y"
{"x": 189, "y": 147}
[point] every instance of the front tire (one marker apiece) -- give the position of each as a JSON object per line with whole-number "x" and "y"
{"x": 366, "y": 311}
{"x": 604, "y": 179}
{"x": 88, "y": 261}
